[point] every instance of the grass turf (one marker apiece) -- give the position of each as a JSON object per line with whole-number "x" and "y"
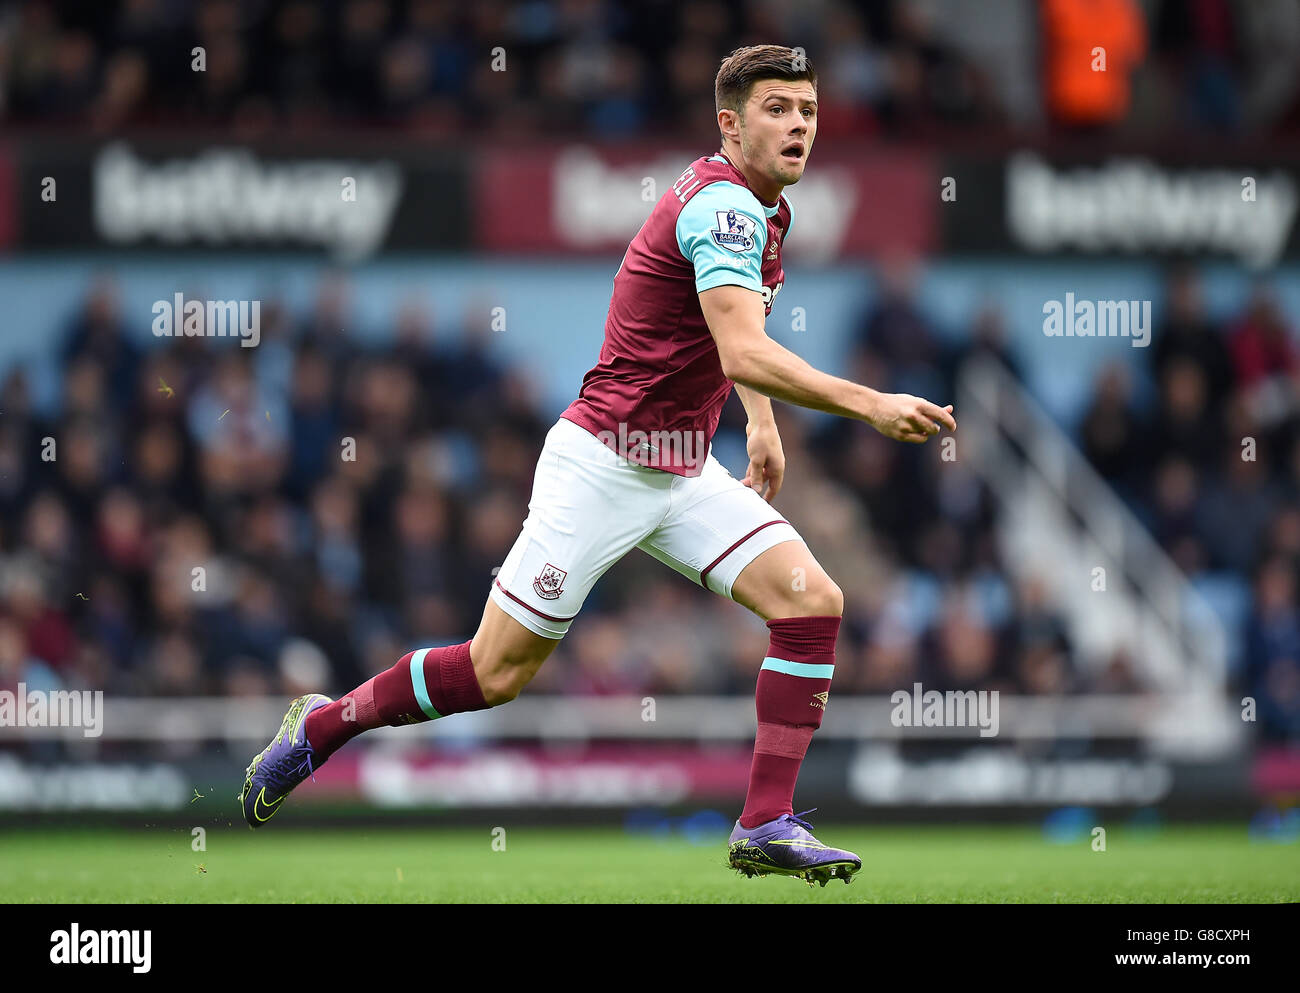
{"x": 283, "y": 864}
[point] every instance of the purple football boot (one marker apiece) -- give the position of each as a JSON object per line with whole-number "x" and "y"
{"x": 282, "y": 764}
{"x": 786, "y": 847}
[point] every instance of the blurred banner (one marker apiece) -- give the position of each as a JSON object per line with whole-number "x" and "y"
{"x": 586, "y": 198}
{"x": 580, "y": 198}
{"x": 597, "y": 754}
{"x": 848, "y": 781}
{"x": 1118, "y": 204}
{"x": 187, "y": 195}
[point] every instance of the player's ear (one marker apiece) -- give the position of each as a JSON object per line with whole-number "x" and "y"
{"x": 729, "y": 122}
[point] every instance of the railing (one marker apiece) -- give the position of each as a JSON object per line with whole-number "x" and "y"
{"x": 1183, "y": 723}
{"x": 1062, "y": 522}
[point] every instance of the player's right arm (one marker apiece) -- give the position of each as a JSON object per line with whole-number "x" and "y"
{"x": 735, "y": 315}
{"x": 722, "y": 231}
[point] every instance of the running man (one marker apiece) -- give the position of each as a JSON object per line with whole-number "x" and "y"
{"x": 628, "y": 465}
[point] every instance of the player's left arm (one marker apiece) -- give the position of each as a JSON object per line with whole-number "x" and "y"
{"x": 766, "y": 457}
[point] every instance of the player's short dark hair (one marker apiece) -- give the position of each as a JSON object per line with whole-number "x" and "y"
{"x": 745, "y": 66}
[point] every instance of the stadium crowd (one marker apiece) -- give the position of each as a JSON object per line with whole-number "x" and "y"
{"x": 437, "y": 67}
{"x": 1212, "y": 467}
{"x": 297, "y": 515}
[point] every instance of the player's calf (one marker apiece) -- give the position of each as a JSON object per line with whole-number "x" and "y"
{"x": 422, "y": 686}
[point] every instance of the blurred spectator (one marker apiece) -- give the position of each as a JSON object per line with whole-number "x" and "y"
{"x": 1090, "y": 50}
{"x": 1189, "y": 335}
{"x": 1269, "y": 33}
{"x": 1112, "y": 436}
{"x": 1174, "y": 498}
{"x": 1236, "y": 506}
{"x": 1266, "y": 359}
{"x": 98, "y": 336}
{"x": 1184, "y": 424}
{"x": 18, "y": 664}
{"x": 1040, "y": 643}
{"x": 1272, "y": 670}
{"x": 1200, "y": 45}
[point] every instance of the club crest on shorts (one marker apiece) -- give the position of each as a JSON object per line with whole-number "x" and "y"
{"x": 550, "y": 583}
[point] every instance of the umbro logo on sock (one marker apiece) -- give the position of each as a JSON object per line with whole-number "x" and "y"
{"x": 819, "y": 700}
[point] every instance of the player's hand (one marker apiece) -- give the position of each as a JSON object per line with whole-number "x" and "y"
{"x": 766, "y": 460}
{"x": 904, "y": 417}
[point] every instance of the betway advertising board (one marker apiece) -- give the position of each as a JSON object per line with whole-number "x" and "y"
{"x": 1126, "y": 205}
{"x": 581, "y": 198}
{"x": 351, "y": 200}
{"x": 346, "y": 205}
{"x": 350, "y": 205}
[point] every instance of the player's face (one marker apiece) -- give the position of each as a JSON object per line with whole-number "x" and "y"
{"x": 778, "y": 128}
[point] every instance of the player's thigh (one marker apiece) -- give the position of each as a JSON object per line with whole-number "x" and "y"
{"x": 715, "y": 528}
{"x": 588, "y": 509}
{"x": 787, "y": 581}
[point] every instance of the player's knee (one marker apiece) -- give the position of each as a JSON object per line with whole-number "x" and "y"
{"x": 828, "y": 600}
{"x": 821, "y": 597}
{"x": 835, "y": 599}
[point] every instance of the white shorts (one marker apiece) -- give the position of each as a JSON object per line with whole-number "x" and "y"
{"x": 590, "y": 507}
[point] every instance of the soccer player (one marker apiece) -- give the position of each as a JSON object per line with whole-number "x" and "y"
{"x": 628, "y": 464}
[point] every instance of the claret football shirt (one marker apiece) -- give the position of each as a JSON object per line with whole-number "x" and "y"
{"x": 657, "y": 391}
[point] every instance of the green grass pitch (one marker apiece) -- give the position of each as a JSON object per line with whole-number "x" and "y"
{"x": 287, "y": 864}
